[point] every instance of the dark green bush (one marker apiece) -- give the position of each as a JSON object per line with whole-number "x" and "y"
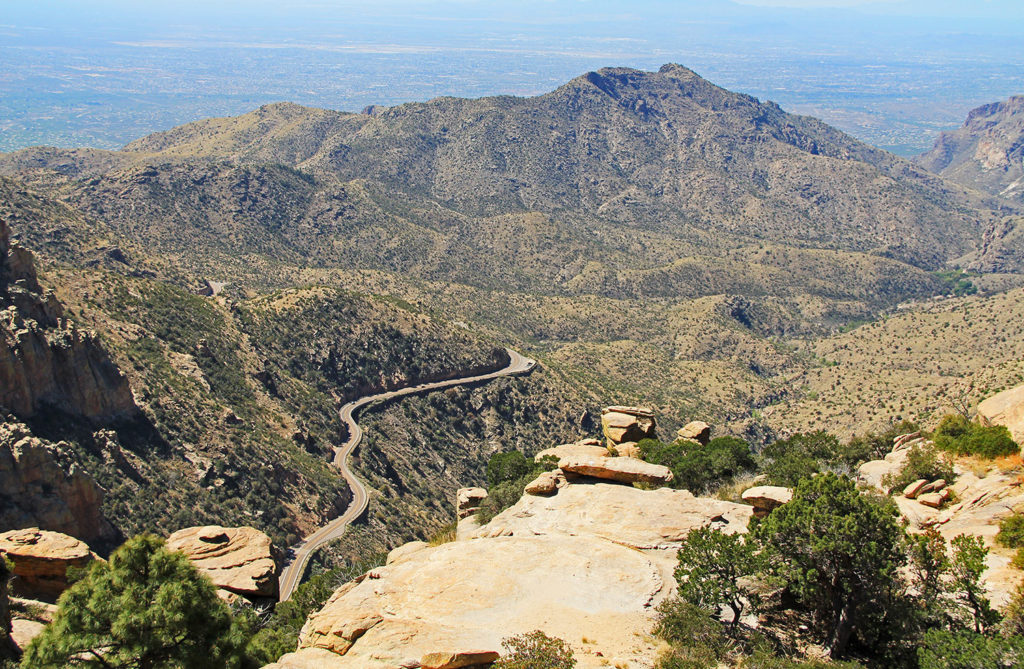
{"x": 697, "y": 467}
{"x": 800, "y": 456}
{"x": 942, "y": 649}
{"x": 958, "y": 435}
{"x": 699, "y": 641}
{"x": 1011, "y": 531}
{"x": 507, "y": 475}
{"x": 506, "y": 467}
{"x": 874, "y": 445}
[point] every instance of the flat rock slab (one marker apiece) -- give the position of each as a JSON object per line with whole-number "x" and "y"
{"x": 41, "y": 559}
{"x": 623, "y": 470}
{"x": 465, "y": 597}
{"x": 628, "y": 516}
{"x": 580, "y": 449}
{"x": 768, "y": 497}
{"x": 237, "y": 559}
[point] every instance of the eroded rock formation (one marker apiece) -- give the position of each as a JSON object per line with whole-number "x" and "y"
{"x": 1005, "y": 408}
{"x": 45, "y": 360}
{"x": 41, "y": 560}
{"x": 237, "y": 559}
{"x": 42, "y": 485}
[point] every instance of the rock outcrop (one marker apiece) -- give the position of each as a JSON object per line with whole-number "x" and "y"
{"x": 627, "y": 424}
{"x": 1005, "y": 408}
{"x": 623, "y": 470}
{"x": 237, "y": 559}
{"x": 41, "y": 560}
{"x": 468, "y": 501}
{"x": 8, "y": 645}
{"x": 588, "y": 448}
{"x": 42, "y": 485}
{"x": 767, "y": 498}
{"x": 645, "y": 519}
{"x": 45, "y": 360}
{"x": 697, "y": 430}
{"x": 465, "y": 597}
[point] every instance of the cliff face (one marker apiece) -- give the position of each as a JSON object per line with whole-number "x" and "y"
{"x": 44, "y": 358}
{"x": 987, "y": 152}
{"x": 42, "y": 485}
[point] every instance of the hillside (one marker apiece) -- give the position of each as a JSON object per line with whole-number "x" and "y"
{"x": 646, "y": 236}
{"x": 986, "y": 153}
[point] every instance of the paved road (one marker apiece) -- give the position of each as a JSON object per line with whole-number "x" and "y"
{"x": 292, "y": 573}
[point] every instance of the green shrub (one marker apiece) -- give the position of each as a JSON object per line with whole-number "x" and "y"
{"x": 698, "y": 639}
{"x": 800, "y": 456}
{"x": 506, "y": 467}
{"x": 958, "y": 435}
{"x": 535, "y": 650}
{"x": 697, "y": 467}
{"x": 1011, "y": 531}
{"x": 942, "y": 649}
{"x": 922, "y": 463}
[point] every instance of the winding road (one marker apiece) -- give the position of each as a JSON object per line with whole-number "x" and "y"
{"x": 292, "y": 573}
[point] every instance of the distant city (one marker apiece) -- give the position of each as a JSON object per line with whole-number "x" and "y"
{"x": 894, "y": 83}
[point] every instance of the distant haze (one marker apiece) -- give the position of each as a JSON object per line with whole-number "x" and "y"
{"x": 105, "y": 72}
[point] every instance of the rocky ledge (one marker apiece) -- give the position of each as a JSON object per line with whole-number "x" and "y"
{"x": 42, "y": 559}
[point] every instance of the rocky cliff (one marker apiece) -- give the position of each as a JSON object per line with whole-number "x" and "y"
{"x": 42, "y": 484}
{"x": 45, "y": 360}
{"x": 987, "y": 152}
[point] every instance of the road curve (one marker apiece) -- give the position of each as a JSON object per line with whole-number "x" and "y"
{"x": 291, "y": 575}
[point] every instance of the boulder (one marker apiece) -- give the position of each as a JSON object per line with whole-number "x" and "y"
{"x": 767, "y": 498}
{"x": 590, "y": 448}
{"x": 405, "y": 550}
{"x": 1005, "y": 408}
{"x": 237, "y": 559}
{"x": 41, "y": 560}
{"x": 465, "y": 597}
{"x": 872, "y": 473}
{"x": 643, "y": 519}
{"x": 619, "y": 424}
{"x": 623, "y": 470}
{"x": 932, "y": 499}
{"x": 916, "y": 488}
{"x": 905, "y": 440}
{"x": 628, "y": 449}
{"x": 547, "y": 483}
{"x": 23, "y": 631}
{"x": 697, "y": 430}
{"x": 468, "y": 501}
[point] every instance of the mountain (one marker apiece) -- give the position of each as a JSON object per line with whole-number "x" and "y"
{"x": 648, "y": 237}
{"x": 987, "y": 153}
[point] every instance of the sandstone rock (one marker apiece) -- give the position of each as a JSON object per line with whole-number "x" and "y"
{"x": 872, "y": 473}
{"x": 464, "y": 596}
{"x": 589, "y": 448}
{"x": 468, "y": 500}
{"x": 932, "y": 499}
{"x": 628, "y": 449}
{"x": 916, "y": 488}
{"x": 619, "y": 424}
{"x": 42, "y": 485}
{"x": 457, "y": 660}
{"x": 23, "y": 631}
{"x": 547, "y": 483}
{"x": 406, "y": 550}
{"x": 697, "y": 430}
{"x": 644, "y": 519}
{"x": 237, "y": 559}
{"x": 624, "y": 470}
{"x": 767, "y": 498}
{"x": 904, "y": 440}
{"x": 41, "y": 560}
{"x": 1005, "y": 408}
{"x": 466, "y": 527}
